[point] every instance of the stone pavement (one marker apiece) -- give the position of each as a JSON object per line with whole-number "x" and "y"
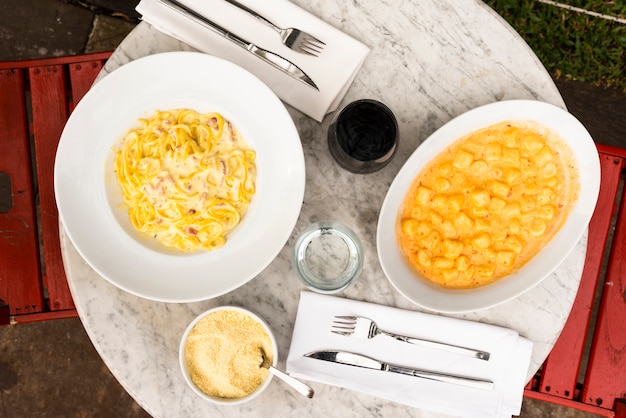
{"x": 47, "y": 28}
{"x": 50, "y": 369}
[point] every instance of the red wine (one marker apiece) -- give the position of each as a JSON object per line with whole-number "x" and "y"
{"x": 363, "y": 136}
{"x": 366, "y": 132}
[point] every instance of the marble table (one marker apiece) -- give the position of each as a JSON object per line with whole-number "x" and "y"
{"x": 430, "y": 61}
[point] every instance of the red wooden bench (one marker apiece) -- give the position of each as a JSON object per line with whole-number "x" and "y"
{"x": 602, "y": 328}
{"x": 36, "y": 98}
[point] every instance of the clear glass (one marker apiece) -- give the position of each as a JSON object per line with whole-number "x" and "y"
{"x": 363, "y": 136}
{"x": 328, "y": 257}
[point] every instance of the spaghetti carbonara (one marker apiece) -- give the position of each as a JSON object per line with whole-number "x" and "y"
{"x": 186, "y": 177}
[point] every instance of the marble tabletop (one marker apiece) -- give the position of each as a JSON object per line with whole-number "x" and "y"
{"x": 430, "y": 61}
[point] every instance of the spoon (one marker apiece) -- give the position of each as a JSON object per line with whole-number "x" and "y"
{"x": 294, "y": 383}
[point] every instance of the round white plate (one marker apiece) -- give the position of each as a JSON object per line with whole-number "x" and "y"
{"x": 430, "y": 296}
{"x": 89, "y": 197}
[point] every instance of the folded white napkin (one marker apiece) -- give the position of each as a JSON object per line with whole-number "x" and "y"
{"x": 332, "y": 71}
{"x": 506, "y": 367}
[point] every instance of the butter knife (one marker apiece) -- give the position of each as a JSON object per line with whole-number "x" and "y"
{"x": 359, "y": 360}
{"x": 271, "y": 58}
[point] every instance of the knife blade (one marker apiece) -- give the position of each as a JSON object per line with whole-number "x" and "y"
{"x": 359, "y": 360}
{"x": 271, "y": 58}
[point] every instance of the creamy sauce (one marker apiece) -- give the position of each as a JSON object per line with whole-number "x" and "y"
{"x": 200, "y": 183}
{"x": 487, "y": 204}
{"x": 187, "y": 178}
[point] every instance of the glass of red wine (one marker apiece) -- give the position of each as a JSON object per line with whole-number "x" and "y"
{"x": 363, "y": 136}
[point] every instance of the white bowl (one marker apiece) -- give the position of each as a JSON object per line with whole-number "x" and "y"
{"x": 90, "y": 200}
{"x": 428, "y": 295}
{"x": 185, "y": 371}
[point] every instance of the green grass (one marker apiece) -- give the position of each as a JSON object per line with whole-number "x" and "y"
{"x": 573, "y": 45}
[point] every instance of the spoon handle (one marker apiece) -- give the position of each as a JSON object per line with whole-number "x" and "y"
{"x": 293, "y": 382}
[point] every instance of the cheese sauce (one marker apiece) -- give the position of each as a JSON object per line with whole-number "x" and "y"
{"x": 487, "y": 204}
{"x": 187, "y": 178}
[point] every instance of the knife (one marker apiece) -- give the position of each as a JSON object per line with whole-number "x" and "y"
{"x": 271, "y": 58}
{"x": 360, "y": 360}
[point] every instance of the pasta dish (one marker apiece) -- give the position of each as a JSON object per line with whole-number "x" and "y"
{"x": 186, "y": 177}
{"x": 487, "y": 204}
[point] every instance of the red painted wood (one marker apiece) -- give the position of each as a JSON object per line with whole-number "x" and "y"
{"x": 560, "y": 370}
{"x": 620, "y": 408}
{"x": 569, "y": 403}
{"x": 604, "y": 387}
{"x": 608, "y": 149}
{"x": 50, "y": 112}
{"x": 5, "y": 317}
{"x": 69, "y": 59}
{"x": 23, "y": 279}
{"x": 45, "y": 316}
{"x": 82, "y": 76}
{"x": 606, "y": 375}
{"x": 20, "y": 282}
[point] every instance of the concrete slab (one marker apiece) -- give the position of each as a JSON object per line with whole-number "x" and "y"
{"x": 32, "y": 29}
{"x": 50, "y": 369}
{"x": 107, "y": 33}
{"x": 600, "y": 110}
{"x": 119, "y": 8}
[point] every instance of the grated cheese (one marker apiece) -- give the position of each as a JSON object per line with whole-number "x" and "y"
{"x": 223, "y": 354}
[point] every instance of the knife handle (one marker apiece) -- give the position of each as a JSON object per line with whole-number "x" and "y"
{"x": 440, "y": 377}
{"x": 482, "y": 355}
{"x": 188, "y": 12}
{"x": 253, "y": 13}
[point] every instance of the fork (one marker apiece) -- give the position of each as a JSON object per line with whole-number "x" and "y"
{"x": 360, "y": 327}
{"x": 292, "y": 38}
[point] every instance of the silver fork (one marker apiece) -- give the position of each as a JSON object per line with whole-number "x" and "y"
{"x": 292, "y": 38}
{"x": 360, "y": 327}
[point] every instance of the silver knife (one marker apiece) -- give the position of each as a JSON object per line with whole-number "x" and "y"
{"x": 360, "y": 360}
{"x": 271, "y": 58}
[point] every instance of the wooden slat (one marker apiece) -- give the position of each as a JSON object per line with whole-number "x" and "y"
{"x": 606, "y": 374}
{"x": 620, "y": 408}
{"x": 20, "y": 280}
{"x": 570, "y": 403}
{"x": 44, "y": 316}
{"x": 50, "y": 113}
{"x": 560, "y": 371}
{"x": 65, "y": 60}
{"x": 4, "y": 314}
{"x": 82, "y": 76}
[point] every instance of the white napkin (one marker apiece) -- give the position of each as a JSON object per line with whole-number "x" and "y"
{"x": 506, "y": 367}
{"x": 332, "y": 71}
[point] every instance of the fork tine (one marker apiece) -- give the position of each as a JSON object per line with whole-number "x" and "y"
{"x": 314, "y": 41}
{"x": 343, "y": 324}
{"x": 300, "y": 49}
{"x": 341, "y": 332}
{"x": 344, "y": 320}
{"x": 307, "y": 50}
{"x": 310, "y": 48}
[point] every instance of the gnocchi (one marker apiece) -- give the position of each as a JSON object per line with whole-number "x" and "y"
{"x": 487, "y": 204}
